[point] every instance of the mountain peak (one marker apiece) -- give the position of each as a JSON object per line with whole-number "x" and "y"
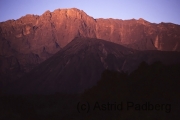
{"x": 141, "y": 19}
{"x": 75, "y": 9}
{"x": 47, "y": 12}
{"x": 70, "y": 13}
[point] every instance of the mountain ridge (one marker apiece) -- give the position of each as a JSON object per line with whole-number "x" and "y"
{"x": 31, "y": 39}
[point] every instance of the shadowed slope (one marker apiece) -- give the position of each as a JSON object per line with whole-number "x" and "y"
{"x": 74, "y": 68}
{"x": 79, "y": 65}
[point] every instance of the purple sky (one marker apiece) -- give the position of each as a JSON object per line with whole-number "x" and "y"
{"x": 155, "y": 11}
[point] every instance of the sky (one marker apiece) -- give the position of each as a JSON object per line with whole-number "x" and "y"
{"x": 154, "y": 11}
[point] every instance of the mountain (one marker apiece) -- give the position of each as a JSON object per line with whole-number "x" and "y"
{"x": 78, "y": 66}
{"x": 31, "y": 39}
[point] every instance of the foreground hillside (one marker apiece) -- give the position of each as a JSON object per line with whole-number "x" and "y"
{"x": 155, "y": 84}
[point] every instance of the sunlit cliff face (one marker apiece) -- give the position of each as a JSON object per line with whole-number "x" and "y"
{"x": 59, "y": 27}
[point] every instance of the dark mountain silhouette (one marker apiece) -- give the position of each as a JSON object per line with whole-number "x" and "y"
{"x": 31, "y": 39}
{"x": 79, "y": 65}
{"x": 154, "y": 83}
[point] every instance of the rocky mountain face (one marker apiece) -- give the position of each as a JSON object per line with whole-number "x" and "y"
{"x": 79, "y": 65}
{"x": 31, "y": 39}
